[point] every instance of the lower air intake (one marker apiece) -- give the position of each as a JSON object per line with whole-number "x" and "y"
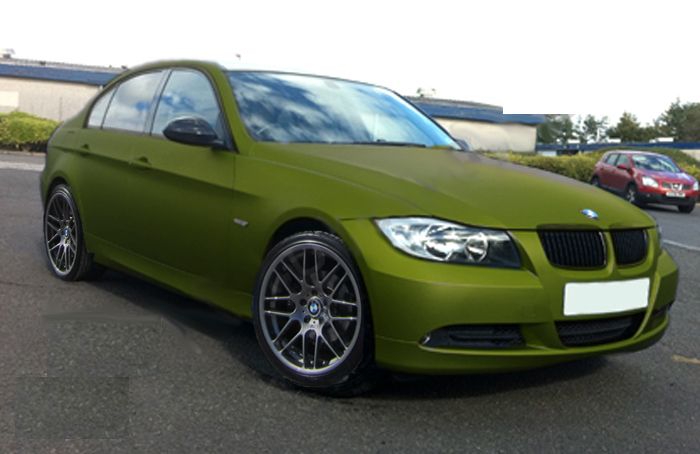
{"x": 475, "y": 336}
{"x": 598, "y": 331}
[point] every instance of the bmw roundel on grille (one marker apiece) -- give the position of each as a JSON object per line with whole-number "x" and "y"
{"x": 590, "y": 214}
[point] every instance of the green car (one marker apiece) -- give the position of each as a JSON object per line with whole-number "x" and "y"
{"x": 350, "y": 227}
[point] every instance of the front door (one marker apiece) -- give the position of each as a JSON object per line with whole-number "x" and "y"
{"x": 185, "y": 207}
{"x": 622, "y": 177}
{"x": 607, "y": 170}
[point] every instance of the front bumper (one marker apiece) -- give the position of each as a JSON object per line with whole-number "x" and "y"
{"x": 659, "y": 196}
{"x": 411, "y": 298}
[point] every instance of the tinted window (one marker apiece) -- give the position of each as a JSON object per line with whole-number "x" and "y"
{"x": 294, "y": 108}
{"x": 98, "y": 110}
{"x": 132, "y": 102}
{"x": 187, "y": 94}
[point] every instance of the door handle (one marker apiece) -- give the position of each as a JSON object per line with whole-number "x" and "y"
{"x": 141, "y": 163}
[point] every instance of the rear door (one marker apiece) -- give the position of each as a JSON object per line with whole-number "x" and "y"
{"x": 185, "y": 207}
{"x": 607, "y": 169}
{"x": 118, "y": 117}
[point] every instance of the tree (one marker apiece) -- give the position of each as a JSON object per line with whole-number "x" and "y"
{"x": 628, "y": 129}
{"x": 592, "y": 129}
{"x": 546, "y": 131}
{"x": 690, "y": 131}
{"x": 681, "y": 121}
{"x": 556, "y": 128}
{"x": 566, "y": 130}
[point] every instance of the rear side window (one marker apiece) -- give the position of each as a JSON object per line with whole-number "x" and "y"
{"x": 187, "y": 93}
{"x": 611, "y": 159}
{"x": 132, "y": 102}
{"x": 97, "y": 114}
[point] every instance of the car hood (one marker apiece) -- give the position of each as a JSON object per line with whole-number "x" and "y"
{"x": 670, "y": 177}
{"x": 464, "y": 186}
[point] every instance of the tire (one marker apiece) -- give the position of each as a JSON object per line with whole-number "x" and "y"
{"x": 632, "y": 195}
{"x": 64, "y": 242}
{"x": 595, "y": 181}
{"x": 686, "y": 208}
{"x": 311, "y": 315}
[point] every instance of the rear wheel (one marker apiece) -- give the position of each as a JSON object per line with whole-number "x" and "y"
{"x": 595, "y": 181}
{"x": 311, "y": 315}
{"x": 686, "y": 208}
{"x": 63, "y": 238}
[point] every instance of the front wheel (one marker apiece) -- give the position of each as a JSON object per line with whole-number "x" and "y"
{"x": 311, "y": 314}
{"x": 686, "y": 208}
{"x": 632, "y": 195}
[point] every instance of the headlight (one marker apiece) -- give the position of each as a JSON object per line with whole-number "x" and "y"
{"x": 649, "y": 181}
{"x": 444, "y": 241}
{"x": 696, "y": 186}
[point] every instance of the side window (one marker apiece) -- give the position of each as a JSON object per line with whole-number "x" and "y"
{"x": 131, "y": 103}
{"x": 624, "y": 160}
{"x": 610, "y": 160}
{"x": 188, "y": 93}
{"x": 97, "y": 114}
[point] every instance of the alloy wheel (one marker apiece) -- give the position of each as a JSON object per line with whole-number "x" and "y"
{"x": 310, "y": 308}
{"x": 61, "y": 233}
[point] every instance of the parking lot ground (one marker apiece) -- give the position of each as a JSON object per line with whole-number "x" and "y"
{"x": 120, "y": 365}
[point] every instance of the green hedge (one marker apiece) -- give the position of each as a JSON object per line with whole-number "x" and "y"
{"x": 21, "y": 131}
{"x": 580, "y": 166}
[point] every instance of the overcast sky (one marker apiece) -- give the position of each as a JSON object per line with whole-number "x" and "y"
{"x": 575, "y": 56}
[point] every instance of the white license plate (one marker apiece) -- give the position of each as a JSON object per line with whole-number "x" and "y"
{"x": 675, "y": 194}
{"x": 588, "y": 298}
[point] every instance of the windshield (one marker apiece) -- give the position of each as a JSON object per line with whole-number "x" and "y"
{"x": 655, "y": 163}
{"x": 294, "y": 108}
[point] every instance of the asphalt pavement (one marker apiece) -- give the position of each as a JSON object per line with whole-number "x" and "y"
{"x": 121, "y": 365}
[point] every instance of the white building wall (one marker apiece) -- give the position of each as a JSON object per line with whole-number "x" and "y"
{"x": 484, "y": 136}
{"x": 692, "y": 153}
{"x": 47, "y": 99}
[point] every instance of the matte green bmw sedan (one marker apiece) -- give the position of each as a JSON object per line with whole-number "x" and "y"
{"x": 348, "y": 225}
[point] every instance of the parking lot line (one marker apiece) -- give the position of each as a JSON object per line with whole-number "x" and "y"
{"x": 685, "y": 359}
{"x": 682, "y": 246}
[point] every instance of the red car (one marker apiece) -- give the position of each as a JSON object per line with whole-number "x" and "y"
{"x": 643, "y": 177}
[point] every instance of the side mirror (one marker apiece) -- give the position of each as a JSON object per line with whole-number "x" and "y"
{"x": 192, "y": 131}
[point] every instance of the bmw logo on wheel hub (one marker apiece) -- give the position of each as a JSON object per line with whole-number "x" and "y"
{"x": 314, "y": 306}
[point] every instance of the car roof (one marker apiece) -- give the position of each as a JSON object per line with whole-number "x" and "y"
{"x": 294, "y": 73}
{"x": 203, "y": 64}
{"x": 637, "y": 152}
